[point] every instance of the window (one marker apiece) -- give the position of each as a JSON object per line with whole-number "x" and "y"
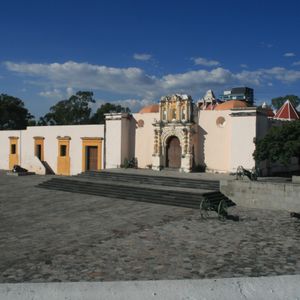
{"x": 183, "y": 117}
{"x": 13, "y": 149}
{"x": 164, "y": 115}
{"x": 174, "y": 114}
{"x": 221, "y": 122}
{"x": 63, "y": 150}
{"x": 140, "y": 123}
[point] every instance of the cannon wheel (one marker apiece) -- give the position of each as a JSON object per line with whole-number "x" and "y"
{"x": 203, "y": 212}
{"x": 221, "y": 208}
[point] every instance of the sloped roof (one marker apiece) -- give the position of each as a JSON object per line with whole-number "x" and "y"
{"x": 231, "y": 104}
{"x": 153, "y": 108}
{"x": 287, "y": 112}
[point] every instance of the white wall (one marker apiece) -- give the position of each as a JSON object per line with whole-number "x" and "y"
{"x": 50, "y": 133}
{"x": 127, "y": 138}
{"x": 144, "y": 138}
{"x": 242, "y": 142}
{"x": 120, "y": 139}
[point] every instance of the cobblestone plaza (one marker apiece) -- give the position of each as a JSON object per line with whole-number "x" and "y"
{"x": 48, "y": 236}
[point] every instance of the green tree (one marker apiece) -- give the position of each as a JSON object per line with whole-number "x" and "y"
{"x": 279, "y": 101}
{"x": 13, "y": 114}
{"x": 99, "y": 118}
{"x": 75, "y": 110}
{"x": 280, "y": 144}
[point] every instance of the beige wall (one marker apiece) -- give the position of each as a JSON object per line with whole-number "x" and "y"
{"x": 144, "y": 138}
{"x": 50, "y": 134}
{"x": 226, "y": 147}
{"x": 214, "y": 141}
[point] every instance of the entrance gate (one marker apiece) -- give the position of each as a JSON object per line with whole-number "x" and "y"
{"x": 173, "y": 153}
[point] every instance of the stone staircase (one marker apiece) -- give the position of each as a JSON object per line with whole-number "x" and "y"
{"x": 173, "y": 191}
{"x": 152, "y": 180}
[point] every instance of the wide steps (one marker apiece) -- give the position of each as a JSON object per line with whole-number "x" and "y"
{"x": 152, "y": 180}
{"x": 129, "y": 192}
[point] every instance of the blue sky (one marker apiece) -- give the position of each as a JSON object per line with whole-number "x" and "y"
{"x": 134, "y": 52}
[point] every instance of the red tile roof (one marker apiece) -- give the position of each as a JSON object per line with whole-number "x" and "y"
{"x": 287, "y": 112}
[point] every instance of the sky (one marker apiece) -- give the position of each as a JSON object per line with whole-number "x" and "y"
{"x": 134, "y": 52}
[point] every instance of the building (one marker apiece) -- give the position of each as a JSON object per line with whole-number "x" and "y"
{"x": 287, "y": 112}
{"x": 239, "y": 93}
{"x": 174, "y": 133}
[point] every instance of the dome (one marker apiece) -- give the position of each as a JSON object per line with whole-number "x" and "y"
{"x": 231, "y": 104}
{"x": 153, "y": 108}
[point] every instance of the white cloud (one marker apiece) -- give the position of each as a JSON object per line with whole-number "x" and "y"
{"x": 205, "y": 62}
{"x": 289, "y": 54}
{"x": 243, "y": 66}
{"x": 296, "y": 63}
{"x": 70, "y": 91}
{"x": 133, "y": 104}
{"x": 136, "y": 84}
{"x": 87, "y": 76}
{"x": 52, "y": 94}
{"x": 142, "y": 56}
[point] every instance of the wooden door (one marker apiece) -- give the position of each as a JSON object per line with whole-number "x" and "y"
{"x": 173, "y": 153}
{"x": 63, "y": 159}
{"x": 92, "y": 158}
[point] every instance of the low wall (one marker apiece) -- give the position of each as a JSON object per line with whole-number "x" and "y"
{"x": 265, "y": 195}
{"x": 275, "y": 288}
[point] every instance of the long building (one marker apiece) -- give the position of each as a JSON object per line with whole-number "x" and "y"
{"x": 174, "y": 133}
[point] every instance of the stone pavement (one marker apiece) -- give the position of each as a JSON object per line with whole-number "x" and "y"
{"x": 49, "y": 236}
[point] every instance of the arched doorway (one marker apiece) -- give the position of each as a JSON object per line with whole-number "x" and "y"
{"x": 173, "y": 153}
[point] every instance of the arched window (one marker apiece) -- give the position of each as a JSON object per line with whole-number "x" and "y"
{"x": 183, "y": 114}
{"x": 164, "y": 114}
{"x": 174, "y": 114}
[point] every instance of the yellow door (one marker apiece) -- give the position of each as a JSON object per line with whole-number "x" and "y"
{"x": 63, "y": 159}
{"x": 13, "y": 152}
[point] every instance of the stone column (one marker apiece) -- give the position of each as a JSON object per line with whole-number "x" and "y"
{"x": 187, "y": 157}
{"x": 157, "y": 156}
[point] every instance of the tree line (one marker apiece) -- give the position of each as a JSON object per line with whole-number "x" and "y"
{"x": 73, "y": 111}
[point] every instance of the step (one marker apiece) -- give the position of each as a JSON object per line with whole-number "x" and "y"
{"x": 151, "y": 195}
{"x": 123, "y": 193}
{"x": 157, "y": 180}
{"x": 131, "y": 197}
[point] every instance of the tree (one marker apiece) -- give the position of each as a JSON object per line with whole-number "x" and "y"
{"x": 279, "y": 101}
{"x": 99, "y": 118}
{"x": 13, "y": 114}
{"x": 280, "y": 144}
{"x": 75, "y": 110}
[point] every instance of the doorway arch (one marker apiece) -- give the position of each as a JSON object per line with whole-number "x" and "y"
{"x": 173, "y": 152}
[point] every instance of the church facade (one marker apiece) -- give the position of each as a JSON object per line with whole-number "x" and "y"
{"x": 175, "y": 133}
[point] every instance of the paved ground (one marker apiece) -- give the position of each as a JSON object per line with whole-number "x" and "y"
{"x": 56, "y": 236}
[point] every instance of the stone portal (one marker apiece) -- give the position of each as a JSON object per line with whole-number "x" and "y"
{"x": 173, "y": 134}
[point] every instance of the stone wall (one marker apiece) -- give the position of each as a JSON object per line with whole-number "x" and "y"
{"x": 265, "y": 195}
